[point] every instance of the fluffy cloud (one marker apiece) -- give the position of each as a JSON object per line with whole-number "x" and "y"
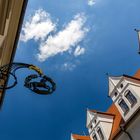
{"x": 79, "y": 51}
{"x": 91, "y": 2}
{"x": 38, "y": 27}
{"x": 73, "y": 33}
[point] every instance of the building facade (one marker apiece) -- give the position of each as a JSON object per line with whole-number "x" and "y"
{"x": 122, "y": 119}
{"x": 11, "y": 15}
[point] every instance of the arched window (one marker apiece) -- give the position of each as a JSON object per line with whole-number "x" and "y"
{"x": 123, "y": 106}
{"x": 100, "y": 133}
{"x": 94, "y": 137}
{"x": 130, "y": 97}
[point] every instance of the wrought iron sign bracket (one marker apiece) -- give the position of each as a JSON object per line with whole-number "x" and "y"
{"x": 45, "y": 85}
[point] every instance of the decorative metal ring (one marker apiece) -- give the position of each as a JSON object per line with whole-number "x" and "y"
{"x": 35, "y": 86}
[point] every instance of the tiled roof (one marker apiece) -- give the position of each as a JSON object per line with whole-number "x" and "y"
{"x": 117, "y": 120}
{"x": 137, "y": 74}
{"x": 112, "y": 110}
{"x": 79, "y": 137}
{"x": 135, "y": 78}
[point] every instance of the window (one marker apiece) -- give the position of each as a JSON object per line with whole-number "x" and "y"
{"x": 94, "y": 137}
{"x": 116, "y": 94}
{"x": 131, "y": 98}
{"x": 100, "y": 134}
{"x": 121, "y": 86}
{"x": 123, "y": 106}
{"x": 91, "y": 126}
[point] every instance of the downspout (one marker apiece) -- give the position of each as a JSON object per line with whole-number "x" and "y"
{"x": 124, "y": 130}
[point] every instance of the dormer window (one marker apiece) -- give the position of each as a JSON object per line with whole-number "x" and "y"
{"x": 131, "y": 98}
{"x": 100, "y": 133}
{"x": 123, "y": 106}
{"x": 94, "y": 137}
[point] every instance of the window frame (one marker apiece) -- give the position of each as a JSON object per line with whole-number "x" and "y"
{"x": 94, "y": 137}
{"x": 91, "y": 126}
{"x": 121, "y": 85}
{"x": 101, "y": 134}
{"x": 131, "y": 98}
{"x": 115, "y": 93}
{"x": 124, "y": 106}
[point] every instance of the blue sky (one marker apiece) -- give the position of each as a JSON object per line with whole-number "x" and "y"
{"x": 76, "y": 43}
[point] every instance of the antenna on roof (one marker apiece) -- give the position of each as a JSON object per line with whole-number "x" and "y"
{"x": 138, "y": 34}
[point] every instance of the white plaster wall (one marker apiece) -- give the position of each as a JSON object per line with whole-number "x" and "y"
{"x": 106, "y": 127}
{"x": 72, "y": 138}
{"x": 136, "y": 89}
{"x": 105, "y": 118}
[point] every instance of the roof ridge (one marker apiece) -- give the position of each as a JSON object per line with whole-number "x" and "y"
{"x": 100, "y": 112}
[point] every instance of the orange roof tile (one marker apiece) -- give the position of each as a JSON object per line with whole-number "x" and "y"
{"x": 117, "y": 120}
{"x": 137, "y": 74}
{"x": 79, "y": 137}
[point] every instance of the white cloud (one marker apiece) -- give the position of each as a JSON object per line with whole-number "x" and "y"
{"x": 91, "y": 2}
{"x": 73, "y": 33}
{"x": 38, "y": 27}
{"x": 79, "y": 51}
{"x": 68, "y": 66}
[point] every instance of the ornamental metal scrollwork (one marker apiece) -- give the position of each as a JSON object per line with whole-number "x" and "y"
{"x": 45, "y": 85}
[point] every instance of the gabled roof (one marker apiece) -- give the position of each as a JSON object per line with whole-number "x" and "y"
{"x": 132, "y": 79}
{"x": 104, "y": 113}
{"x": 112, "y": 110}
{"x": 89, "y": 117}
{"x": 117, "y": 119}
{"x": 113, "y": 81}
{"x": 137, "y": 74}
{"x": 79, "y": 137}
